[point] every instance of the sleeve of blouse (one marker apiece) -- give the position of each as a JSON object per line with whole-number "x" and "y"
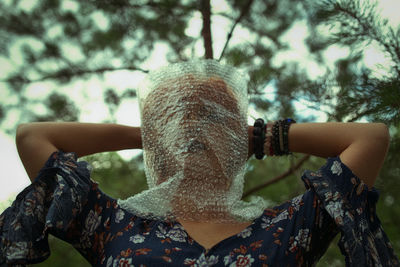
{"x": 352, "y": 208}
{"x": 49, "y": 205}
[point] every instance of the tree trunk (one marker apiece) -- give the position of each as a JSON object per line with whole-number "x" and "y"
{"x": 206, "y": 31}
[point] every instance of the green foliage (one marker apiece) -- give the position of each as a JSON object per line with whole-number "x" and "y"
{"x": 261, "y": 171}
{"x": 60, "y": 108}
{"x": 356, "y": 23}
{"x": 332, "y": 257}
{"x": 62, "y": 254}
{"x": 116, "y": 177}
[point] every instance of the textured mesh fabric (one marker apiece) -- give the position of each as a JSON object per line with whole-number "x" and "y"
{"x": 195, "y": 145}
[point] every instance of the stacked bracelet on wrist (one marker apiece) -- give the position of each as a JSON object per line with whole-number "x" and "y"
{"x": 271, "y": 138}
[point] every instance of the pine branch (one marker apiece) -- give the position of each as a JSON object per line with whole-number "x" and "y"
{"x": 123, "y": 4}
{"x": 253, "y": 28}
{"x": 359, "y": 114}
{"x": 68, "y": 74}
{"x": 243, "y": 12}
{"x": 277, "y": 178}
{"x": 370, "y": 29}
{"x": 206, "y": 31}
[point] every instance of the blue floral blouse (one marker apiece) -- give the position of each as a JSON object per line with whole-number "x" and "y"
{"x": 65, "y": 202}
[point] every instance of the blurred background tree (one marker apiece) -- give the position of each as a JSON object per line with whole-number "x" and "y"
{"x": 55, "y": 53}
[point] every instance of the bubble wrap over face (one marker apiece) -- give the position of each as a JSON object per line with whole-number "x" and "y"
{"x": 195, "y": 145}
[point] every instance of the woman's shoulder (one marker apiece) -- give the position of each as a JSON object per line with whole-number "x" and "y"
{"x": 53, "y": 203}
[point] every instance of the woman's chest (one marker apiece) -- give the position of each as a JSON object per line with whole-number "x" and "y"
{"x": 167, "y": 244}
{"x": 208, "y": 235}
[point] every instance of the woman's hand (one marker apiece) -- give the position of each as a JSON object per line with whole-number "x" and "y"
{"x": 36, "y": 141}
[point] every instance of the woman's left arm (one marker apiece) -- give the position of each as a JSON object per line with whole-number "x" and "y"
{"x": 361, "y": 146}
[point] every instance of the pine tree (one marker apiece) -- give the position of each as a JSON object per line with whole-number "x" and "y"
{"x": 59, "y": 43}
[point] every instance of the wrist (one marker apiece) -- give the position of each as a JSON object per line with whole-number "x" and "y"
{"x": 270, "y": 139}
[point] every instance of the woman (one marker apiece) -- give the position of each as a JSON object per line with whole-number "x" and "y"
{"x": 196, "y": 142}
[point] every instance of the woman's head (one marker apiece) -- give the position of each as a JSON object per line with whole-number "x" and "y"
{"x": 194, "y": 134}
{"x": 187, "y": 117}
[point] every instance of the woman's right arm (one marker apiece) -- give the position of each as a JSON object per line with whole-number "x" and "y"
{"x": 36, "y": 141}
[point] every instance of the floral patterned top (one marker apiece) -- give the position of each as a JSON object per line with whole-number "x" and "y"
{"x": 65, "y": 202}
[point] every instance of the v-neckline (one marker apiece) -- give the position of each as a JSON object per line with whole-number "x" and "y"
{"x": 205, "y": 249}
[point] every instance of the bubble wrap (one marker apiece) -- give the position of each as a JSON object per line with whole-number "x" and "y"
{"x": 195, "y": 145}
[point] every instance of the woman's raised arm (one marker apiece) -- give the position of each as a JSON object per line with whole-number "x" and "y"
{"x": 36, "y": 141}
{"x": 360, "y": 146}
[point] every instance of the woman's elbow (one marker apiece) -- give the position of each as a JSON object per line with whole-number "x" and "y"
{"x": 33, "y": 148}
{"x": 26, "y": 137}
{"x": 381, "y": 134}
{"x": 22, "y": 132}
{"x": 378, "y": 142}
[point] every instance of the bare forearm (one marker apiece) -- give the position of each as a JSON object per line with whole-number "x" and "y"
{"x": 36, "y": 141}
{"x": 361, "y": 146}
{"x": 332, "y": 139}
{"x": 84, "y": 138}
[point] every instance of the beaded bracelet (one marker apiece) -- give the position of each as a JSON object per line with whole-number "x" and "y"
{"x": 286, "y": 126}
{"x": 275, "y": 138}
{"x": 281, "y": 136}
{"x": 271, "y": 138}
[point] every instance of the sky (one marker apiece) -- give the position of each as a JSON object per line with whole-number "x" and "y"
{"x": 14, "y": 177}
